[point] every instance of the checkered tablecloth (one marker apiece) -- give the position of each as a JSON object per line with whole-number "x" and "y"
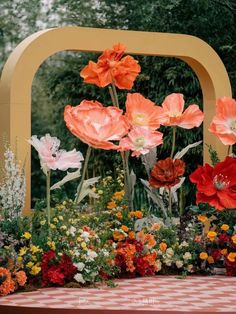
{"x": 160, "y": 293}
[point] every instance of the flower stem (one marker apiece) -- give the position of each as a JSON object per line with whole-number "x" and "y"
{"x": 229, "y": 150}
{"x": 48, "y": 198}
{"x": 89, "y": 149}
{"x": 173, "y": 142}
{"x": 128, "y": 192}
{"x": 116, "y": 103}
{"x": 170, "y": 203}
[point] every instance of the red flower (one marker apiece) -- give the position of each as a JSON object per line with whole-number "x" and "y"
{"x": 223, "y": 238}
{"x": 166, "y": 173}
{"x": 230, "y": 267}
{"x": 216, "y": 185}
{"x": 216, "y": 254}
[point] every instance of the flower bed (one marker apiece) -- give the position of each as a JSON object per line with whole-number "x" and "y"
{"x": 76, "y": 243}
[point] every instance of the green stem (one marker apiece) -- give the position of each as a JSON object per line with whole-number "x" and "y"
{"x": 89, "y": 149}
{"x": 173, "y": 142}
{"x": 128, "y": 192}
{"x": 112, "y": 95}
{"x": 48, "y": 198}
{"x": 116, "y": 103}
{"x": 170, "y": 203}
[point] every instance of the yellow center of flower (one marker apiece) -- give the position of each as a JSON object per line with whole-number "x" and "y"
{"x": 174, "y": 114}
{"x": 233, "y": 126}
{"x": 139, "y": 142}
{"x": 220, "y": 182}
{"x": 140, "y": 119}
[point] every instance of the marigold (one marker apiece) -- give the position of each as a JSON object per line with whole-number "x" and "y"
{"x": 111, "y": 205}
{"x": 203, "y": 255}
{"x": 119, "y": 215}
{"x": 119, "y": 195}
{"x": 224, "y": 227}
{"x": 118, "y": 236}
{"x": 7, "y": 284}
{"x": 210, "y": 260}
{"x": 211, "y": 235}
{"x": 21, "y": 278}
{"x": 156, "y": 226}
{"x": 233, "y": 238}
{"x": 202, "y": 218}
{"x": 163, "y": 246}
{"x": 124, "y": 228}
{"x": 132, "y": 235}
{"x": 231, "y": 256}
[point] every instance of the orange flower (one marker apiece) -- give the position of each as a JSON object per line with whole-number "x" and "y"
{"x": 96, "y": 125}
{"x": 151, "y": 258}
{"x": 224, "y": 252}
{"x": 21, "y": 278}
{"x": 210, "y": 260}
{"x": 111, "y": 67}
{"x": 202, "y": 218}
{"x": 151, "y": 242}
{"x": 233, "y": 238}
{"x": 166, "y": 173}
{"x": 211, "y": 235}
{"x": 156, "y": 226}
{"x": 231, "y": 257}
{"x": 111, "y": 205}
{"x": 224, "y": 122}
{"x": 137, "y": 214}
{"x": 119, "y": 215}
{"x": 119, "y": 195}
{"x": 163, "y": 246}
{"x": 7, "y": 284}
{"x": 141, "y": 111}
{"x": 124, "y": 228}
{"x": 132, "y": 235}
{"x": 224, "y": 227}
{"x": 203, "y": 255}
{"x": 173, "y": 107}
{"x": 118, "y": 236}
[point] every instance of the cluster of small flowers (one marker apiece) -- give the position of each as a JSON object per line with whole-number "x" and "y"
{"x": 13, "y": 188}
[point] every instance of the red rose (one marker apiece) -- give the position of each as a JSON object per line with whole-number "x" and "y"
{"x": 223, "y": 238}
{"x": 216, "y": 185}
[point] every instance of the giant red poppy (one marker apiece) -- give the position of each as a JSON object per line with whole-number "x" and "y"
{"x": 216, "y": 185}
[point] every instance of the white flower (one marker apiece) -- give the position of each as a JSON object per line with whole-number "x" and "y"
{"x": 91, "y": 255}
{"x": 105, "y": 252}
{"x": 190, "y": 268}
{"x": 85, "y": 235}
{"x": 187, "y": 256}
{"x": 79, "y": 278}
{"x": 183, "y": 244}
{"x": 80, "y": 266}
{"x": 168, "y": 262}
{"x": 179, "y": 264}
{"x": 72, "y": 231}
{"x": 169, "y": 252}
{"x": 158, "y": 264}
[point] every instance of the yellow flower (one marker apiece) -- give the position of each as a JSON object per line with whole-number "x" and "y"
{"x": 63, "y": 227}
{"x": 52, "y": 226}
{"x": 224, "y": 227}
{"x": 233, "y": 238}
{"x": 52, "y": 245}
{"x": 163, "y": 246}
{"x": 20, "y": 259}
{"x": 55, "y": 219}
{"x": 203, "y": 255}
{"x": 210, "y": 260}
{"x": 23, "y": 251}
{"x": 124, "y": 228}
{"x": 202, "y": 218}
{"x": 26, "y": 235}
{"x": 35, "y": 270}
{"x": 30, "y": 264}
{"x": 42, "y": 222}
{"x": 34, "y": 258}
{"x": 60, "y": 218}
{"x": 100, "y": 192}
{"x": 83, "y": 245}
{"x": 211, "y": 235}
{"x": 34, "y": 249}
{"x": 231, "y": 257}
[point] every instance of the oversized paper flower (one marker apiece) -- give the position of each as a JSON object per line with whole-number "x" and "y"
{"x": 96, "y": 125}
{"x": 173, "y": 109}
{"x": 224, "y": 122}
{"x": 140, "y": 140}
{"x": 216, "y": 185}
{"x": 141, "y": 111}
{"x": 53, "y": 158}
{"x": 166, "y": 173}
{"x": 112, "y": 68}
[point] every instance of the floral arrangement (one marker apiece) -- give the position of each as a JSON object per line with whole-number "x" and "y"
{"x": 73, "y": 243}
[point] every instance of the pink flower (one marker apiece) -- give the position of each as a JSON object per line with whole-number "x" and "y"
{"x": 173, "y": 109}
{"x": 141, "y": 111}
{"x": 140, "y": 140}
{"x": 96, "y": 125}
{"x": 224, "y": 122}
{"x": 53, "y": 158}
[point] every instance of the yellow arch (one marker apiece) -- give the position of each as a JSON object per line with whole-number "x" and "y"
{"x": 20, "y": 69}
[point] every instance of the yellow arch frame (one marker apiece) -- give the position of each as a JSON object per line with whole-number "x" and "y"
{"x": 23, "y": 63}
